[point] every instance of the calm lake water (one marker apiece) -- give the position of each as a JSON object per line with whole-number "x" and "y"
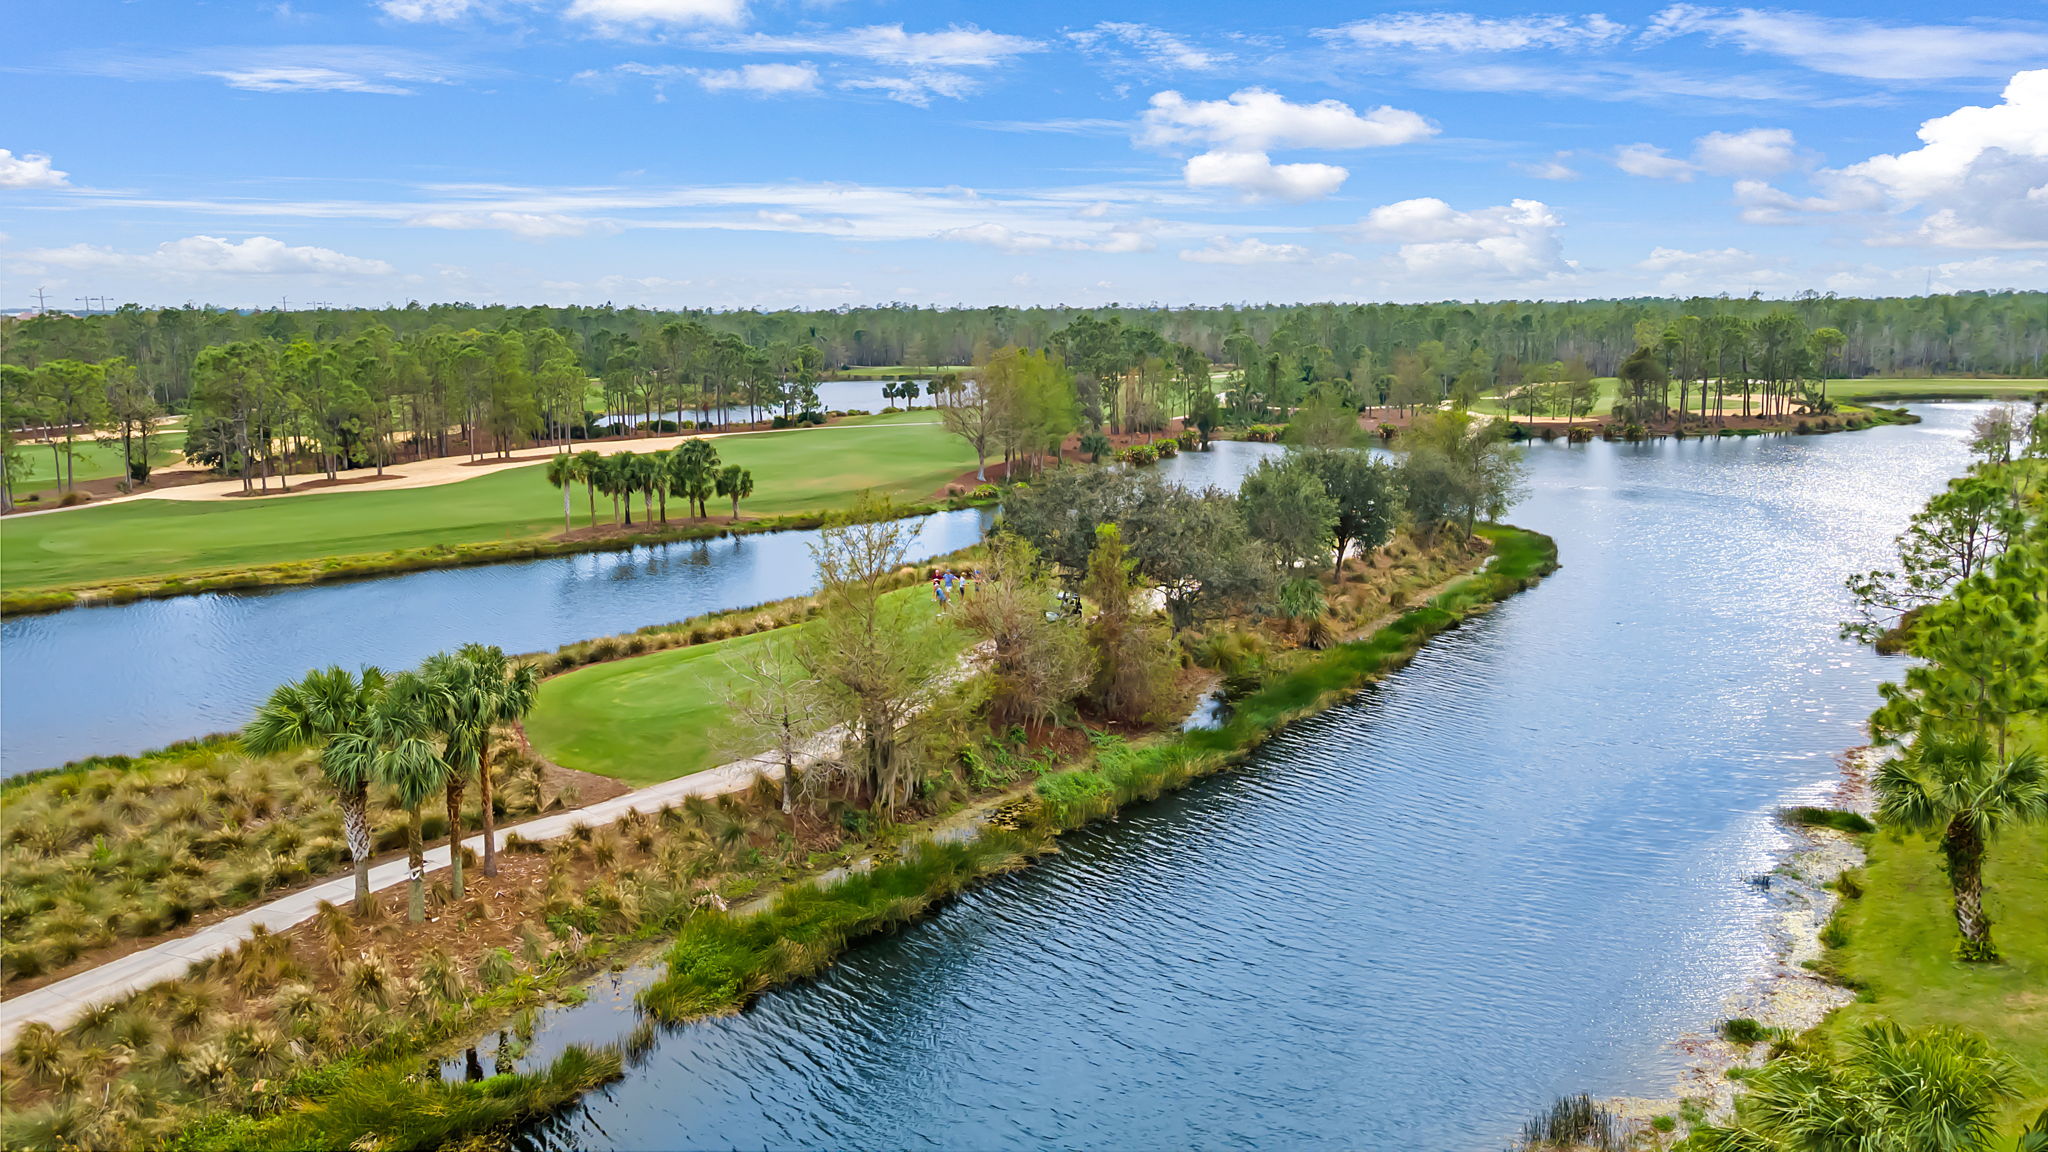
{"x": 127, "y": 677}
{"x": 1514, "y": 870}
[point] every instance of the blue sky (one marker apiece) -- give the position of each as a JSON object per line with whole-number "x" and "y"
{"x": 733, "y": 153}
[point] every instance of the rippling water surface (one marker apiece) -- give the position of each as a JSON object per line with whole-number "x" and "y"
{"x": 1512, "y": 871}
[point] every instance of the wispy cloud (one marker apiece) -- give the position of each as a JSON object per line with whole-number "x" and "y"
{"x": 1464, "y": 33}
{"x": 1126, "y": 46}
{"x": 1865, "y": 49}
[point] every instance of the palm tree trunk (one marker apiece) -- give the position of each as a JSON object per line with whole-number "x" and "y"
{"x": 416, "y": 867}
{"x": 355, "y": 824}
{"x": 455, "y": 783}
{"x": 1963, "y": 845}
{"x": 483, "y": 796}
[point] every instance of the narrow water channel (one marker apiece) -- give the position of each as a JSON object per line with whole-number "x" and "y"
{"x": 1514, "y": 870}
{"x": 128, "y": 677}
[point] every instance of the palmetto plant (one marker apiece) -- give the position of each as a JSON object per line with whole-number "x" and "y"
{"x": 336, "y": 711}
{"x": 1958, "y": 787}
{"x": 1926, "y": 1090}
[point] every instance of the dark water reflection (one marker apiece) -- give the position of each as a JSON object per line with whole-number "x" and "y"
{"x": 1515, "y": 870}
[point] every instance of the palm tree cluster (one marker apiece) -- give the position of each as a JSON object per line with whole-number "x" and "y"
{"x": 421, "y": 733}
{"x": 690, "y": 471}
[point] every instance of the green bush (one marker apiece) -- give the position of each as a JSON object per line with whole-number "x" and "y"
{"x": 1836, "y": 818}
{"x": 1744, "y": 1031}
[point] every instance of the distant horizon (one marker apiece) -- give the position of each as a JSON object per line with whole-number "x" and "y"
{"x": 1246, "y": 305}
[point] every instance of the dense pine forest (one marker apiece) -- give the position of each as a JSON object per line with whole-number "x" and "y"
{"x": 338, "y": 388}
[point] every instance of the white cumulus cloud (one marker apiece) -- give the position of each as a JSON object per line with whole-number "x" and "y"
{"x": 1254, "y": 175}
{"x": 30, "y": 170}
{"x": 1254, "y": 120}
{"x": 1515, "y": 240}
{"x": 1979, "y": 179}
{"x": 1242, "y": 130}
{"x": 1756, "y": 151}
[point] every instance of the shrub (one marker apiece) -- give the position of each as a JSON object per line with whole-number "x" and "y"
{"x": 1744, "y": 1031}
{"x": 1139, "y": 454}
{"x": 1835, "y": 818}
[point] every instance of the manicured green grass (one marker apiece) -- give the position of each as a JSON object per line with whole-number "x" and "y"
{"x": 794, "y": 471}
{"x": 898, "y": 371}
{"x": 92, "y": 460}
{"x": 1894, "y": 388}
{"x": 1901, "y": 941}
{"x": 656, "y": 717}
{"x": 1601, "y": 406}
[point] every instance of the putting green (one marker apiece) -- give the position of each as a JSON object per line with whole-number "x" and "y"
{"x": 794, "y": 471}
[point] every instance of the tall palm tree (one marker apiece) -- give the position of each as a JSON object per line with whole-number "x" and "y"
{"x": 1956, "y": 785}
{"x": 477, "y": 690}
{"x": 334, "y": 710}
{"x": 562, "y": 474}
{"x": 588, "y": 462}
{"x": 403, "y": 757}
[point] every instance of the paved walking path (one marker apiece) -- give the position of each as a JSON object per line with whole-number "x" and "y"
{"x": 59, "y": 1003}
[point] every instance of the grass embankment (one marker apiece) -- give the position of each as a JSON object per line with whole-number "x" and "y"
{"x": 163, "y": 547}
{"x": 1895, "y": 388}
{"x": 897, "y": 371}
{"x": 1895, "y": 944}
{"x": 662, "y": 715}
{"x": 721, "y": 961}
{"x": 124, "y": 848}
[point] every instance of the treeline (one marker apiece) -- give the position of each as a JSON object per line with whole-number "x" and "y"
{"x": 1990, "y": 333}
{"x": 257, "y": 407}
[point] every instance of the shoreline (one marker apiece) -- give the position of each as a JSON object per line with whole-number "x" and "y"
{"x": 1793, "y": 993}
{"x": 713, "y": 962}
{"x": 378, "y": 564}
